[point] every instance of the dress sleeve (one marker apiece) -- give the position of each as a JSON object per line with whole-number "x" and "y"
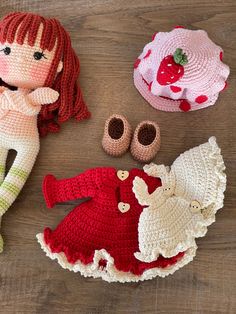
{"x": 81, "y": 186}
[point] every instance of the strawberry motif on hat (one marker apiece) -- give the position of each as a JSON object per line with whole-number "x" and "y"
{"x": 172, "y": 68}
{"x": 181, "y": 70}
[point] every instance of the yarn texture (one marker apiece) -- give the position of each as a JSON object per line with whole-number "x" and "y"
{"x": 117, "y": 135}
{"x": 38, "y": 90}
{"x": 181, "y": 70}
{"x": 138, "y": 224}
{"x": 180, "y": 210}
{"x": 99, "y": 229}
{"x": 146, "y": 141}
{"x": 47, "y": 59}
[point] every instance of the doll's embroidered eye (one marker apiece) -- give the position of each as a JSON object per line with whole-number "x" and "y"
{"x": 6, "y": 50}
{"x": 39, "y": 55}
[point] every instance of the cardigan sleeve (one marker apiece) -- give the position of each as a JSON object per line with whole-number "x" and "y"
{"x": 18, "y": 101}
{"x": 80, "y": 186}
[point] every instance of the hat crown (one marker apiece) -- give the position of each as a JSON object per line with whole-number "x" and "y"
{"x": 182, "y": 64}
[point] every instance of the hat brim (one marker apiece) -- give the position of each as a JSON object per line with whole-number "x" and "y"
{"x": 165, "y": 104}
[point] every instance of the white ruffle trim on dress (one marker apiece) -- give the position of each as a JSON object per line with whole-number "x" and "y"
{"x": 168, "y": 229}
{"x": 110, "y": 273}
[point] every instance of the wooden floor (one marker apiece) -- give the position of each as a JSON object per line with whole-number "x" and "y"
{"x": 108, "y": 36}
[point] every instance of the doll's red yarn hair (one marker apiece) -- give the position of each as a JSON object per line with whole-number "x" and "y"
{"x": 17, "y": 27}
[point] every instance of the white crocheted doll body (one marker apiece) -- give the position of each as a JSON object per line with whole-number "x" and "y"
{"x": 181, "y": 209}
{"x": 24, "y": 65}
{"x": 19, "y": 131}
{"x": 39, "y": 90}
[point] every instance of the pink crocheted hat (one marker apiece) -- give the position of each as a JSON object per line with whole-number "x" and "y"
{"x": 181, "y": 70}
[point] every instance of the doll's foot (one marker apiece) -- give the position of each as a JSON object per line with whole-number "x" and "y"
{"x": 117, "y": 135}
{"x": 146, "y": 141}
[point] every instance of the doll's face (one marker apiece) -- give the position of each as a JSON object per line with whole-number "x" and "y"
{"x": 24, "y": 66}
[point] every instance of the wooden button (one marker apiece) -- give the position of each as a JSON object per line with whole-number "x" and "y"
{"x": 122, "y": 174}
{"x": 195, "y": 206}
{"x": 123, "y": 207}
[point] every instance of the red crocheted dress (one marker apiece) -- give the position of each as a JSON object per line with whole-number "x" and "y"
{"x": 96, "y": 237}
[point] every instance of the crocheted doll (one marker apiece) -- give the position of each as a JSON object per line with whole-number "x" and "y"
{"x": 38, "y": 71}
{"x": 181, "y": 209}
{"x": 181, "y": 70}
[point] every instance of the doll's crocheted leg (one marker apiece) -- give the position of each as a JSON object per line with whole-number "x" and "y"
{"x": 18, "y": 174}
{"x": 1, "y": 239}
{"x": 3, "y": 157}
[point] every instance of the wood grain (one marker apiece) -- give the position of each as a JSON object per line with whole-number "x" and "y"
{"x": 108, "y": 36}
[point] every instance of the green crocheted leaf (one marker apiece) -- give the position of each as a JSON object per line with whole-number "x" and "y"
{"x": 180, "y": 57}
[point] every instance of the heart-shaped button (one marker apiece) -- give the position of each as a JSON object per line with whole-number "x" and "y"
{"x": 123, "y": 207}
{"x": 122, "y": 174}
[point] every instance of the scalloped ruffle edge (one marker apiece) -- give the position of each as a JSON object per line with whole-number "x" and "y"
{"x": 208, "y": 214}
{"x": 216, "y": 157}
{"x": 182, "y": 246}
{"x": 110, "y": 273}
{"x": 163, "y": 104}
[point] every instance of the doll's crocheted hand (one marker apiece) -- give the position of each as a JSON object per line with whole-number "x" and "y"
{"x": 43, "y": 96}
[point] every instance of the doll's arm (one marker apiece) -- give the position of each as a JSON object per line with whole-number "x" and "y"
{"x": 29, "y": 104}
{"x": 4, "y": 103}
{"x": 81, "y": 186}
{"x": 18, "y": 101}
{"x": 43, "y": 96}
